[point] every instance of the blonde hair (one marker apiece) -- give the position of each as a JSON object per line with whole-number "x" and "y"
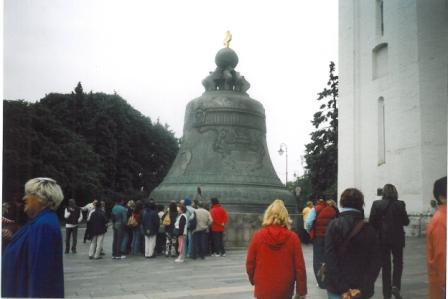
{"x": 131, "y": 204}
{"x": 332, "y": 203}
{"x": 47, "y": 191}
{"x": 277, "y": 214}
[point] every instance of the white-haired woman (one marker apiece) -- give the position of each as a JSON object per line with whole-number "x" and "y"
{"x": 32, "y": 262}
{"x": 274, "y": 260}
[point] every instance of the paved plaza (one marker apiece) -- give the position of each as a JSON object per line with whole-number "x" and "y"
{"x": 212, "y": 278}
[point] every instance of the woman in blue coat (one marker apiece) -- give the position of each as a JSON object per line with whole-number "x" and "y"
{"x": 32, "y": 262}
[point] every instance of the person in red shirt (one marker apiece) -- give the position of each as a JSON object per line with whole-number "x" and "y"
{"x": 436, "y": 244}
{"x": 274, "y": 260}
{"x": 219, "y": 219}
{"x": 324, "y": 215}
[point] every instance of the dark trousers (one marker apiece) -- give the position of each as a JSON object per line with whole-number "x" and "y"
{"x": 117, "y": 240}
{"x": 218, "y": 242}
{"x": 318, "y": 258}
{"x": 69, "y": 232}
{"x": 160, "y": 243}
{"x": 304, "y": 237}
{"x": 87, "y": 232}
{"x": 394, "y": 279}
{"x": 200, "y": 244}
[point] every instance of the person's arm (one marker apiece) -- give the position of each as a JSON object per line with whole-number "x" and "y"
{"x": 310, "y": 219}
{"x": 209, "y": 220}
{"x": 45, "y": 274}
{"x": 182, "y": 222}
{"x": 90, "y": 214}
{"x": 66, "y": 213}
{"x": 226, "y": 217}
{"x": 404, "y": 215}
{"x": 157, "y": 222}
{"x": 215, "y": 216}
{"x": 301, "y": 287}
{"x": 251, "y": 258}
{"x": 80, "y": 216}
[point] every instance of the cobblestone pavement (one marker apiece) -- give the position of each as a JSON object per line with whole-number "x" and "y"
{"x": 212, "y": 278}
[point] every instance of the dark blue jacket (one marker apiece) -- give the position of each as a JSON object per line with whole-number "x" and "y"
{"x": 359, "y": 266}
{"x": 98, "y": 222}
{"x": 32, "y": 262}
{"x": 150, "y": 222}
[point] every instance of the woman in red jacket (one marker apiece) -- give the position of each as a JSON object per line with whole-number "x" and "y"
{"x": 274, "y": 259}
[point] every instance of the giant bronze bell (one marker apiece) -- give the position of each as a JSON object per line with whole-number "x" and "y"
{"x": 223, "y": 148}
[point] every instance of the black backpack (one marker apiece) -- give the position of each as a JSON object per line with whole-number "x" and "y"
{"x": 192, "y": 223}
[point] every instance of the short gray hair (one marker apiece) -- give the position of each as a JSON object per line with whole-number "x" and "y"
{"x": 46, "y": 190}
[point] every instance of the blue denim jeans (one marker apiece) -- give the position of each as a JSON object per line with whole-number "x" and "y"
{"x": 136, "y": 241}
{"x": 318, "y": 258}
{"x": 124, "y": 241}
{"x": 189, "y": 241}
{"x": 333, "y": 295}
{"x": 117, "y": 239}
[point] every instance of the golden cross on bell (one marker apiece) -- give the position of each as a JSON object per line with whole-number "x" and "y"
{"x": 227, "y": 39}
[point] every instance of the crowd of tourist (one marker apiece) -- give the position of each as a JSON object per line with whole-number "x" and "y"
{"x": 143, "y": 228}
{"x": 348, "y": 250}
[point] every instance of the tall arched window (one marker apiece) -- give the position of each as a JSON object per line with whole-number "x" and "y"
{"x": 380, "y": 61}
{"x": 380, "y": 17}
{"x": 381, "y": 132}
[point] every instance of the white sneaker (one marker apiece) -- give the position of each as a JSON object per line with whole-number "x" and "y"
{"x": 216, "y": 254}
{"x": 178, "y": 260}
{"x": 123, "y": 257}
{"x": 222, "y": 255}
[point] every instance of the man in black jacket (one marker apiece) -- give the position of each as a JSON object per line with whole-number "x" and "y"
{"x": 98, "y": 226}
{"x": 150, "y": 223}
{"x": 73, "y": 216}
{"x": 388, "y": 216}
{"x": 352, "y": 251}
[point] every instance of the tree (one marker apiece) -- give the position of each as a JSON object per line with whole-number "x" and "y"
{"x": 321, "y": 154}
{"x": 78, "y": 89}
{"x": 17, "y": 130}
{"x": 95, "y": 145}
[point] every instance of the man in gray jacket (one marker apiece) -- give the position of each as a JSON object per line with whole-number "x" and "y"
{"x": 200, "y": 234}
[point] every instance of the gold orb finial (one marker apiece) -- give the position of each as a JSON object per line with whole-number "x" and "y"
{"x": 227, "y": 39}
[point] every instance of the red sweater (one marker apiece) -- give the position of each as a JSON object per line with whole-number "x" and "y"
{"x": 325, "y": 214}
{"x": 275, "y": 262}
{"x": 219, "y": 216}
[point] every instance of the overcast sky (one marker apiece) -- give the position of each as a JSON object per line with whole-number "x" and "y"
{"x": 155, "y": 54}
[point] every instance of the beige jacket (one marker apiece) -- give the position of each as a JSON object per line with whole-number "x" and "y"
{"x": 204, "y": 220}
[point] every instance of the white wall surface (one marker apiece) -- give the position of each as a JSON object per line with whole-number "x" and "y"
{"x": 415, "y": 91}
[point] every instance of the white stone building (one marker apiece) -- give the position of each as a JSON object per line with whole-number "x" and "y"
{"x": 393, "y": 101}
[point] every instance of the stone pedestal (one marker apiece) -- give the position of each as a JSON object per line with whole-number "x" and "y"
{"x": 242, "y": 226}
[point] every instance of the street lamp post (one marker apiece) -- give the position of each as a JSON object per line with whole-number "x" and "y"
{"x": 280, "y": 152}
{"x": 140, "y": 180}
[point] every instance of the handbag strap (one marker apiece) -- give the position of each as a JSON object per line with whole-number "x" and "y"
{"x": 356, "y": 229}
